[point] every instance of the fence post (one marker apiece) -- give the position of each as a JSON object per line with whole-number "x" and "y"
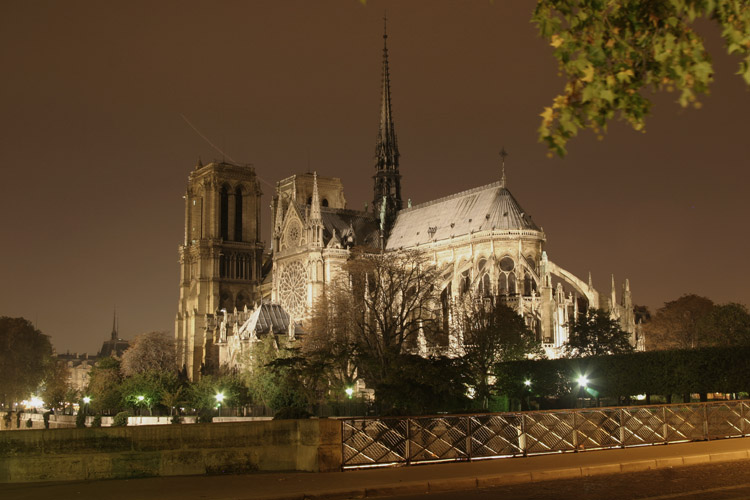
{"x": 469, "y": 444}
{"x": 665, "y": 427}
{"x": 742, "y": 418}
{"x": 407, "y": 443}
{"x": 523, "y": 438}
{"x": 622, "y": 428}
{"x": 575, "y": 432}
{"x": 705, "y": 422}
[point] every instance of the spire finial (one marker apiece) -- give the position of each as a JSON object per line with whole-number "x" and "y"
{"x": 385, "y": 25}
{"x": 503, "y": 154}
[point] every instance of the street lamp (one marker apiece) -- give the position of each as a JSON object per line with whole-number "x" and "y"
{"x": 86, "y": 400}
{"x": 219, "y": 399}
{"x": 527, "y": 383}
{"x": 349, "y": 391}
{"x": 583, "y": 383}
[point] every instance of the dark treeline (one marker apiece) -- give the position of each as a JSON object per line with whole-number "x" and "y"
{"x": 666, "y": 373}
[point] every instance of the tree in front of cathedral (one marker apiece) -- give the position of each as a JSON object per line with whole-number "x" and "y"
{"x": 492, "y": 333}
{"x": 596, "y": 334}
{"x": 676, "y": 325}
{"x": 613, "y": 52}
{"x": 726, "y": 325}
{"x": 24, "y": 355}
{"x": 153, "y": 351}
{"x": 393, "y": 301}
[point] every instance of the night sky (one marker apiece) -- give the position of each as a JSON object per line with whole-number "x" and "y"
{"x": 96, "y": 147}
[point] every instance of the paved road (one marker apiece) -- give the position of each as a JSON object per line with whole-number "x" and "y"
{"x": 729, "y": 480}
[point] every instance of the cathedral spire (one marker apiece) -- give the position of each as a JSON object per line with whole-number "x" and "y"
{"x": 114, "y": 324}
{"x": 315, "y": 208}
{"x": 387, "y": 177}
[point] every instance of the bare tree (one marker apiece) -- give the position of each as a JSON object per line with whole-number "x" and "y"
{"x": 390, "y": 298}
{"x": 153, "y": 351}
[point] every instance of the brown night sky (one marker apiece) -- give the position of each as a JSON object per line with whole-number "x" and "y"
{"x": 95, "y": 153}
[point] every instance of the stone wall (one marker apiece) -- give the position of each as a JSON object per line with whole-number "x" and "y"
{"x": 170, "y": 450}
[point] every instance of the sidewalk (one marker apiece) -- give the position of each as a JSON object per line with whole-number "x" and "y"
{"x": 393, "y": 480}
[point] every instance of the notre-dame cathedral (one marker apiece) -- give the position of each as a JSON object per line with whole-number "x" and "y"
{"x": 231, "y": 292}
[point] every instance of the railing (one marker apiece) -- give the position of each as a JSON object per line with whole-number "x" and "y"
{"x": 369, "y": 442}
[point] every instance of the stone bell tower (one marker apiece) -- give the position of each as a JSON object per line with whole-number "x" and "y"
{"x": 220, "y": 258}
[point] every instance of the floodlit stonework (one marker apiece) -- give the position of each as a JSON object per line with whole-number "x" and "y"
{"x": 220, "y": 258}
{"x": 481, "y": 240}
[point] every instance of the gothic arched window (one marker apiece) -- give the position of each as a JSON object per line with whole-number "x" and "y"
{"x": 238, "y": 214}
{"x": 465, "y": 283}
{"x": 445, "y": 298}
{"x": 484, "y": 286}
{"x": 512, "y": 283}
{"x": 224, "y": 212}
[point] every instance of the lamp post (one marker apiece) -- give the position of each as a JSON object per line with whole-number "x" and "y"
{"x": 349, "y": 391}
{"x": 527, "y": 384}
{"x": 583, "y": 382}
{"x": 140, "y": 402}
{"x": 219, "y": 399}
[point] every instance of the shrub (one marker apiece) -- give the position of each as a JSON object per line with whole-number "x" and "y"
{"x": 6, "y": 420}
{"x": 29, "y": 423}
{"x": 45, "y": 416}
{"x": 176, "y": 419}
{"x": 205, "y": 418}
{"x": 121, "y": 419}
{"x": 97, "y": 422}
{"x": 291, "y": 413}
{"x": 18, "y": 420}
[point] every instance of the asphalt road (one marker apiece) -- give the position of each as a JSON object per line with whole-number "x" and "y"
{"x": 729, "y": 480}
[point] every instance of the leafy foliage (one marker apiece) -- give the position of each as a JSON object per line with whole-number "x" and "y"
{"x": 154, "y": 351}
{"x": 417, "y": 385}
{"x": 104, "y": 386}
{"x": 666, "y": 372}
{"x": 725, "y": 325}
{"x": 492, "y": 333}
{"x": 55, "y": 390}
{"x": 596, "y": 334}
{"x": 677, "y": 324}
{"x": 24, "y": 354}
{"x": 147, "y": 389}
{"x": 611, "y": 51}
{"x": 203, "y": 393}
{"x": 121, "y": 419}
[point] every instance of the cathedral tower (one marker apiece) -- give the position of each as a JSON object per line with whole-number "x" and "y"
{"x": 220, "y": 258}
{"x": 387, "y": 196}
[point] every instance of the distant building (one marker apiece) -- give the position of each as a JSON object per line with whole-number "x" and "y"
{"x": 115, "y": 346}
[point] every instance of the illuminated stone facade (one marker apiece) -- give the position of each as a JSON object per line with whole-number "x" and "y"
{"x": 481, "y": 240}
{"x": 220, "y": 258}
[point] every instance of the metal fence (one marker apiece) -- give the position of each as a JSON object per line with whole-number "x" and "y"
{"x": 369, "y": 442}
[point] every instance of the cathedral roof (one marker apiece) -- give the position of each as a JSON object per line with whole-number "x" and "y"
{"x": 479, "y": 209}
{"x": 362, "y": 226}
{"x": 273, "y": 318}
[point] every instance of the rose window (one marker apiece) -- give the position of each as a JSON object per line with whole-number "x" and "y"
{"x": 293, "y": 288}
